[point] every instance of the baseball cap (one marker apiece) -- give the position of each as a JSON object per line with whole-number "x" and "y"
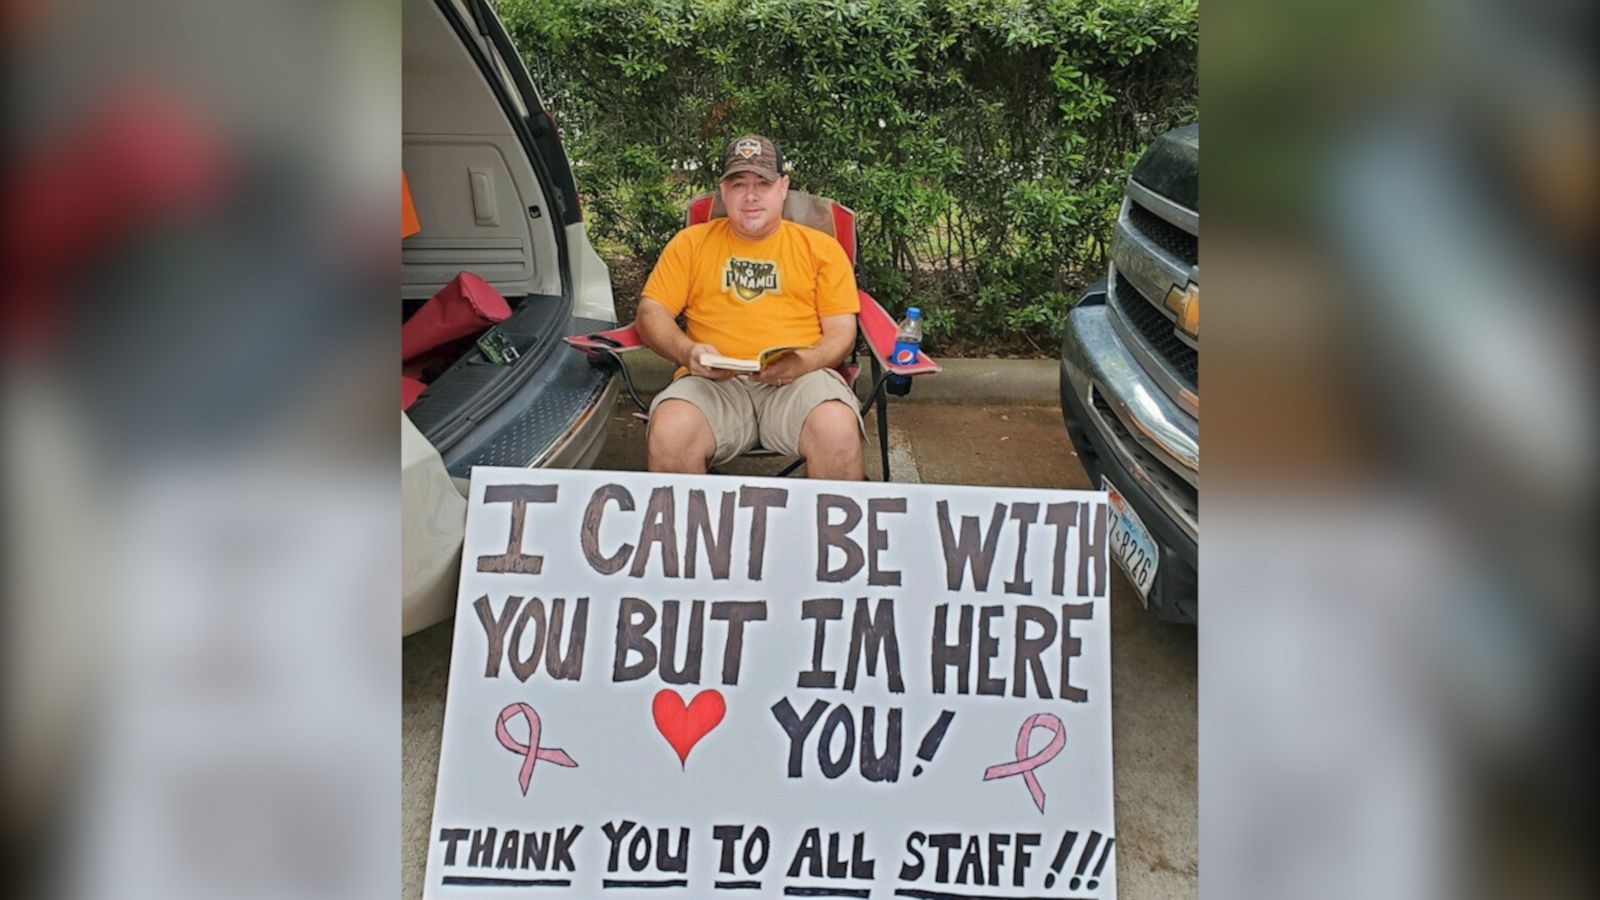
{"x": 753, "y": 153}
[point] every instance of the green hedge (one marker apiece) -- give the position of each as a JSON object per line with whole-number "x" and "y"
{"x": 983, "y": 143}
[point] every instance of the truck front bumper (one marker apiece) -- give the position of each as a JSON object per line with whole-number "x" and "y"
{"x": 1125, "y": 428}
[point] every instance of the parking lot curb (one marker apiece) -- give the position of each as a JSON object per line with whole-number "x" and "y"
{"x": 1012, "y": 382}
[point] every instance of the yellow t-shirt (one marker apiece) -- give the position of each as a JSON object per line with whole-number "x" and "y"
{"x": 745, "y": 296}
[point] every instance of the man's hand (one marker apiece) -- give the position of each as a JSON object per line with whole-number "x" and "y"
{"x": 692, "y": 360}
{"x": 787, "y": 369}
{"x": 838, "y": 336}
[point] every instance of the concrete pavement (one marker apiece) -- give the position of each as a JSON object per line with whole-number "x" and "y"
{"x": 1153, "y": 664}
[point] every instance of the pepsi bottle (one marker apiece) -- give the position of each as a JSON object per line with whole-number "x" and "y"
{"x": 907, "y": 350}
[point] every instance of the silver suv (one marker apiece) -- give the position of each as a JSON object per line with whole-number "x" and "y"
{"x": 495, "y": 196}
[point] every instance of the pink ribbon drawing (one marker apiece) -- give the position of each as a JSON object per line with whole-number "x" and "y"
{"x": 531, "y": 751}
{"x": 1025, "y": 764}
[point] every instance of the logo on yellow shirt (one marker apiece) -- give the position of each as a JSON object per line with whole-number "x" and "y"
{"x": 750, "y": 278}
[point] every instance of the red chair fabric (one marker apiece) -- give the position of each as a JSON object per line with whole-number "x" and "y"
{"x": 617, "y": 340}
{"x": 465, "y": 306}
{"x": 880, "y": 328}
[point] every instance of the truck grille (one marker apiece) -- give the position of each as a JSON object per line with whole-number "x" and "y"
{"x": 1179, "y": 243}
{"x": 1156, "y": 329}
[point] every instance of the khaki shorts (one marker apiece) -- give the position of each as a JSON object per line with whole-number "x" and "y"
{"x": 745, "y": 413}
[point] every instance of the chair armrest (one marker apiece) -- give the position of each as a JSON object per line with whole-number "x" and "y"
{"x": 622, "y": 339}
{"x": 879, "y": 328}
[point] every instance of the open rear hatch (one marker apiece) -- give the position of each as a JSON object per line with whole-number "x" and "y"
{"x": 494, "y": 197}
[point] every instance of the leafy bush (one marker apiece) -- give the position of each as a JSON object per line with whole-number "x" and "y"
{"x": 983, "y": 143}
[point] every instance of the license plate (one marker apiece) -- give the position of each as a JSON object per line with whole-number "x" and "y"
{"x": 1131, "y": 544}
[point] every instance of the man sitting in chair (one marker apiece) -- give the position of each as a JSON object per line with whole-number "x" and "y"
{"x": 744, "y": 283}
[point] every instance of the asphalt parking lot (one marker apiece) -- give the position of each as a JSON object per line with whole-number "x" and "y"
{"x": 1153, "y": 664}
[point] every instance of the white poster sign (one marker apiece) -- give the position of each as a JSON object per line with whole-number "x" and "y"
{"x": 705, "y": 686}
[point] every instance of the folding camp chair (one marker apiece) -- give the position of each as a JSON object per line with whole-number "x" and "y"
{"x": 875, "y": 327}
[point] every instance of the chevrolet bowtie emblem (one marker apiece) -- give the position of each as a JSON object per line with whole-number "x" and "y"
{"x": 1185, "y": 304}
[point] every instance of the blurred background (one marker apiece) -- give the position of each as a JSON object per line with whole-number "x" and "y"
{"x": 1400, "y": 483}
{"x": 199, "y": 465}
{"x": 202, "y": 516}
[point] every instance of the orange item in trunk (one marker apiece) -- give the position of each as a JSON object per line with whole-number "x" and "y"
{"x": 409, "y": 224}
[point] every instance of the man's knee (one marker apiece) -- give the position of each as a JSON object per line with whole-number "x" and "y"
{"x": 832, "y": 427}
{"x": 679, "y": 428}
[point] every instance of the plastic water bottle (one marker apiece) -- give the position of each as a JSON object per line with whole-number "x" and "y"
{"x": 907, "y": 350}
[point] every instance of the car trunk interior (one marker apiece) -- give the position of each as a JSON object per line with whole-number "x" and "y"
{"x": 481, "y": 209}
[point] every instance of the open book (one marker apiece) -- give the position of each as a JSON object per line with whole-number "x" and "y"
{"x": 763, "y": 359}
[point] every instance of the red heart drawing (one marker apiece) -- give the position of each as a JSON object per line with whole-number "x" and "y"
{"x": 684, "y": 726}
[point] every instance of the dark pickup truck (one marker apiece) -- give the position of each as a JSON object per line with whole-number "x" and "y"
{"x": 1130, "y": 377}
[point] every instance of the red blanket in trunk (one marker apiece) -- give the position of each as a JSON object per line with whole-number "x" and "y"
{"x": 466, "y": 306}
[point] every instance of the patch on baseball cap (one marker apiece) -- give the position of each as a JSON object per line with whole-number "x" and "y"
{"x": 753, "y": 153}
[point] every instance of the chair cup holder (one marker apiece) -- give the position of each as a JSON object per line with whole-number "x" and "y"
{"x": 607, "y": 362}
